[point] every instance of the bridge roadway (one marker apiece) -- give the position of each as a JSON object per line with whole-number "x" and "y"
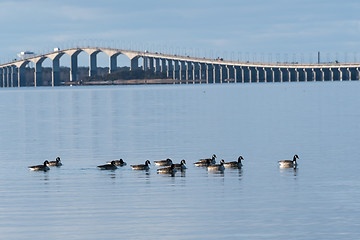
{"x": 186, "y": 69}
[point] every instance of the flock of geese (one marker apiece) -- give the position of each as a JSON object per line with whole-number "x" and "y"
{"x": 168, "y": 166}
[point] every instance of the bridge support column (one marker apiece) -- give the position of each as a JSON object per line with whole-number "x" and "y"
{"x": 157, "y": 65}
{"x": 201, "y": 72}
{"x": 13, "y": 75}
{"x": 134, "y": 63}
{"x": 8, "y": 80}
{"x": 322, "y": 74}
{"x": 38, "y": 74}
{"x": 151, "y": 64}
{"x": 73, "y": 67}
{"x": 235, "y": 73}
{"x": 145, "y": 63}
{"x": 5, "y": 76}
{"x": 358, "y": 73}
{"x": 242, "y": 74}
{"x": 164, "y": 67}
{"x": 187, "y": 66}
{"x": 170, "y": 69}
{"x": 1, "y": 77}
{"x": 21, "y": 76}
{"x": 181, "y": 70}
{"x": 113, "y": 63}
{"x": 340, "y": 74}
{"x": 93, "y": 64}
{"x": 195, "y": 71}
{"x": 176, "y": 73}
{"x": 208, "y": 73}
{"x": 265, "y": 74}
{"x": 56, "y": 73}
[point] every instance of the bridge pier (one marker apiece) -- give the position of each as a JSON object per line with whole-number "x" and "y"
{"x": 13, "y": 76}
{"x": 157, "y": 65}
{"x": 176, "y": 70}
{"x": 56, "y": 73}
{"x": 5, "y": 76}
{"x": 134, "y": 63}
{"x": 145, "y": 64}
{"x": 1, "y": 77}
{"x": 164, "y": 67}
{"x": 317, "y": 76}
{"x": 170, "y": 69}
{"x": 93, "y": 64}
{"x": 38, "y": 75}
{"x": 113, "y": 63}
{"x": 21, "y": 75}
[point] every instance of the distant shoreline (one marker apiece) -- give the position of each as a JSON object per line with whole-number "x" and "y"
{"x": 128, "y": 82}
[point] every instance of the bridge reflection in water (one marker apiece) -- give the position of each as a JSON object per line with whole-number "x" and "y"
{"x": 183, "y": 69}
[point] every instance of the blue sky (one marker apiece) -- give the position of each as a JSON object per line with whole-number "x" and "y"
{"x": 265, "y": 30}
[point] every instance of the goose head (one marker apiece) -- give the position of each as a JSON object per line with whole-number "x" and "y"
{"x": 147, "y": 162}
{"x": 240, "y": 158}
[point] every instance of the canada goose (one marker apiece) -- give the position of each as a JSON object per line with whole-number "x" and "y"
{"x": 166, "y": 162}
{"x": 118, "y": 162}
{"x": 170, "y": 169}
{"x": 110, "y": 166}
{"x": 56, "y": 163}
{"x": 212, "y": 159}
{"x": 289, "y": 163}
{"x": 217, "y": 167}
{"x": 203, "y": 163}
{"x": 234, "y": 164}
{"x": 180, "y": 165}
{"x": 142, "y": 166}
{"x": 44, "y": 167}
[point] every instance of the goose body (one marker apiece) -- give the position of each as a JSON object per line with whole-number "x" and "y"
{"x": 44, "y": 167}
{"x": 110, "y": 166}
{"x": 289, "y": 163}
{"x": 142, "y": 166}
{"x": 56, "y": 163}
{"x": 167, "y": 170}
{"x": 203, "y": 163}
{"x": 118, "y": 162}
{"x": 234, "y": 164}
{"x": 211, "y": 160}
{"x": 181, "y": 165}
{"x": 217, "y": 167}
{"x": 166, "y": 162}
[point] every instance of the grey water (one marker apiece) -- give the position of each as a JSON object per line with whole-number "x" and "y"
{"x": 264, "y": 123}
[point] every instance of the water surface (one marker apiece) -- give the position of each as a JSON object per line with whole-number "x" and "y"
{"x": 265, "y": 123}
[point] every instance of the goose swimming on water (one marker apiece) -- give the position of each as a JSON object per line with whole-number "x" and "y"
{"x": 166, "y": 162}
{"x": 203, "y": 163}
{"x": 181, "y": 165}
{"x": 289, "y": 163}
{"x": 217, "y": 167}
{"x": 56, "y": 163}
{"x": 110, "y": 166}
{"x": 169, "y": 170}
{"x": 44, "y": 167}
{"x": 142, "y": 166}
{"x": 211, "y": 160}
{"x": 234, "y": 164}
{"x": 118, "y": 162}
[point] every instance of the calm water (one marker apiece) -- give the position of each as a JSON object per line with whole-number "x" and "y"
{"x": 265, "y": 123}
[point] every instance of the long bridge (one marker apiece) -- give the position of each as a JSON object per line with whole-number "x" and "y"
{"x": 185, "y": 69}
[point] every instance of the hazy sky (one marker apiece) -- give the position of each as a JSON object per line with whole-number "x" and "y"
{"x": 197, "y": 27}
